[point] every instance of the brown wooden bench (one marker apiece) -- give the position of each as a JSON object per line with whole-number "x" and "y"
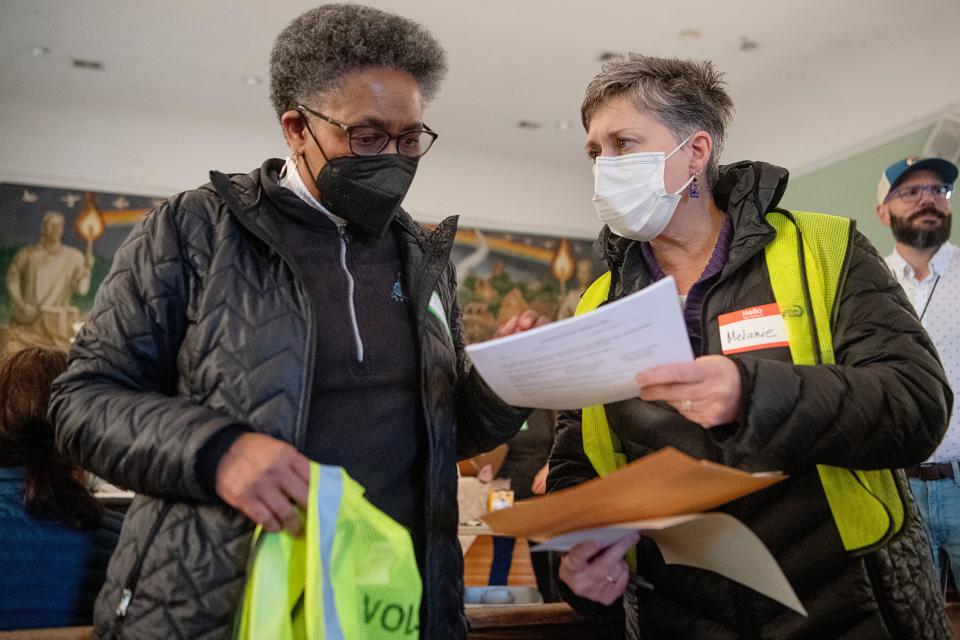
{"x": 57, "y": 633}
{"x": 556, "y": 621}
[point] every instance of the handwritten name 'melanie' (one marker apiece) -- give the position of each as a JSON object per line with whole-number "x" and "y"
{"x": 742, "y": 335}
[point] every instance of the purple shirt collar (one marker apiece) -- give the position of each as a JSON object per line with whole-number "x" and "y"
{"x": 696, "y": 294}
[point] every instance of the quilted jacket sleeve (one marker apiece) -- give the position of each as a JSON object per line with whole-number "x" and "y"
{"x": 115, "y": 409}
{"x": 484, "y": 421}
{"x": 569, "y": 467}
{"x": 884, "y": 404}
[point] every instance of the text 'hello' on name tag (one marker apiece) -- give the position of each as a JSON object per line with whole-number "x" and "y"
{"x": 752, "y": 328}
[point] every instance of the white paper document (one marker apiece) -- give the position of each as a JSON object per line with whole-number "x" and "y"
{"x": 590, "y": 359}
{"x": 713, "y": 541}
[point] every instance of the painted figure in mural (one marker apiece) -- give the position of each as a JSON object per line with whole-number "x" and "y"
{"x": 913, "y": 199}
{"x": 271, "y": 318}
{"x": 568, "y": 305}
{"x": 867, "y": 393}
{"x": 42, "y": 280}
{"x": 501, "y": 274}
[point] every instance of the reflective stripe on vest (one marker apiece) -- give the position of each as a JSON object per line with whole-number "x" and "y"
{"x": 352, "y": 574}
{"x": 867, "y": 506}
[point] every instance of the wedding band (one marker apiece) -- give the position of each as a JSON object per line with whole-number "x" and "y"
{"x": 686, "y": 405}
{"x": 610, "y": 579}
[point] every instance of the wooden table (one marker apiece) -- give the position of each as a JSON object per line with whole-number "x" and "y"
{"x": 553, "y": 621}
{"x": 556, "y": 621}
{"x": 58, "y": 633}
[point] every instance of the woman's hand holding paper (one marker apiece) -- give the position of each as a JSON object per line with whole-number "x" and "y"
{"x": 706, "y": 391}
{"x": 595, "y": 573}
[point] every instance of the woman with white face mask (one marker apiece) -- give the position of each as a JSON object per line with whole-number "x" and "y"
{"x": 814, "y": 374}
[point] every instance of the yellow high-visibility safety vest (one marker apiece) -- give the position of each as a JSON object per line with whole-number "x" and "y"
{"x": 352, "y": 575}
{"x": 805, "y": 263}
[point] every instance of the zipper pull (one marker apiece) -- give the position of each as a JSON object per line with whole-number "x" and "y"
{"x": 125, "y": 597}
{"x": 342, "y": 228}
{"x": 642, "y": 583}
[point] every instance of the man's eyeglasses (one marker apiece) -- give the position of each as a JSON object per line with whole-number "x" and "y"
{"x": 368, "y": 140}
{"x": 913, "y": 193}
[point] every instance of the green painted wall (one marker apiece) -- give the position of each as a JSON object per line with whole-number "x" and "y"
{"x": 849, "y": 187}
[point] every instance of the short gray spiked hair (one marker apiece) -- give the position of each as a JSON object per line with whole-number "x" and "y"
{"x": 685, "y": 95}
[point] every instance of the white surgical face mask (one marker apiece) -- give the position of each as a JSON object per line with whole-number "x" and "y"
{"x": 629, "y": 194}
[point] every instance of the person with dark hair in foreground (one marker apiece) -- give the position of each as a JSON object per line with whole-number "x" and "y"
{"x": 294, "y": 313}
{"x": 55, "y": 538}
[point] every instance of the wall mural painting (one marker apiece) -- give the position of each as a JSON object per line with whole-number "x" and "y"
{"x": 501, "y": 274}
{"x": 57, "y": 245}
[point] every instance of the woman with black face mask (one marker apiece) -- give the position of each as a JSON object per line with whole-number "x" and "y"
{"x": 294, "y": 313}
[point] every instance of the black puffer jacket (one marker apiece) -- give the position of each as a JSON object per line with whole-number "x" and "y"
{"x": 885, "y": 404}
{"x": 202, "y": 323}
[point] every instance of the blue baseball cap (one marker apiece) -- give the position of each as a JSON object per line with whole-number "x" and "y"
{"x": 898, "y": 170}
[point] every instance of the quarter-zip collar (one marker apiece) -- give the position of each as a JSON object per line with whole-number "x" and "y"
{"x": 290, "y": 179}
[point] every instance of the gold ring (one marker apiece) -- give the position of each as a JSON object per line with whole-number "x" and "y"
{"x": 686, "y": 405}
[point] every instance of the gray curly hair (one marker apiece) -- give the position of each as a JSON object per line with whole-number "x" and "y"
{"x": 312, "y": 54}
{"x": 685, "y": 95}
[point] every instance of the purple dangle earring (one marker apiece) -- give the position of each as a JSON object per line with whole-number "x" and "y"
{"x": 694, "y": 188}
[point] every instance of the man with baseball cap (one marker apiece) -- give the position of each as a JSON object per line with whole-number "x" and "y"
{"x": 913, "y": 199}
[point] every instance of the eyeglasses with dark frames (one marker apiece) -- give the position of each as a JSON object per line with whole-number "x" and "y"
{"x": 369, "y": 140}
{"x": 913, "y": 193}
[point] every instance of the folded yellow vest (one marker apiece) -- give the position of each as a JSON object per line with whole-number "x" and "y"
{"x": 352, "y": 575}
{"x": 806, "y": 262}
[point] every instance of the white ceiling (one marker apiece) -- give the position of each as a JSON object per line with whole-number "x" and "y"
{"x": 827, "y": 76}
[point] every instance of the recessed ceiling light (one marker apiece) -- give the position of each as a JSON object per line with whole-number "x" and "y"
{"x": 38, "y": 50}
{"x": 251, "y": 81}
{"x": 690, "y": 34}
{"x": 746, "y": 44}
{"x": 92, "y": 65}
{"x": 528, "y": 124}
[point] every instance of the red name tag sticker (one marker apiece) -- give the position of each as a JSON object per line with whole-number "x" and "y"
{"x": 752, "y": 329}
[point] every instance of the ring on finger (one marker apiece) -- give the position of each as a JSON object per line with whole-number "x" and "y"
{"x": 686, "y": 405}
